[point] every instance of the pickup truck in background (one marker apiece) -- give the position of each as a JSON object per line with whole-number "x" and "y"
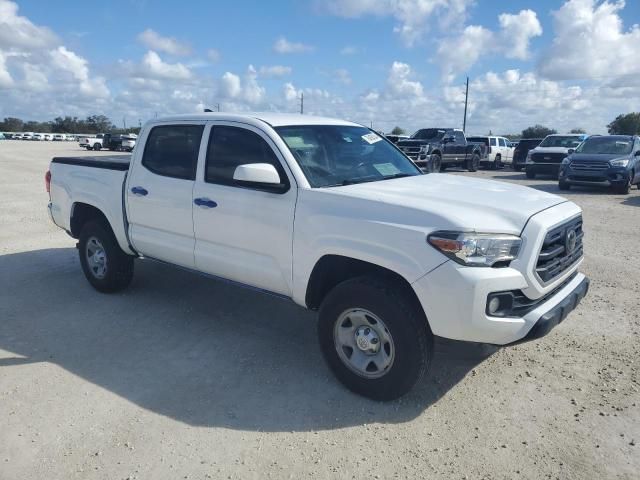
{"x": 435, "y": 149}
{"x": 549, "y": 154}
{"x": 92, "y": 143}
{"x": 499, "y": 151}
{"x": 333, "y": 216}
{"x": 109, "y": 141}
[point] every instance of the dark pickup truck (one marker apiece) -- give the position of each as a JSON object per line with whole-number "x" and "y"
{"x": 435, "y": 149}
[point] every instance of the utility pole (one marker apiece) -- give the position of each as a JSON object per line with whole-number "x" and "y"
{"x": 218, "y": 107}
{"x": 466, "y": 101}
{"x": 124, "y": 122}
{"x": 301, "y": 103}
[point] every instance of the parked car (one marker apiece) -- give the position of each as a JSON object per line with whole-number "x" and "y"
{"x": 38, "y": 137}
{"x": 59, "y": 137}
{"x": 499, "y": 151}
{"x": 331, "y": 215}
{"x": 435, "y": 149}
{"x": 2, "y": 136}
{"x": 395, "y": 138}
{"x": 521, "y": 150}
{"x": 27, "y": 136}
{"x": 128, "y": 141}
{"x": 608, "y": 160}
{"x": 48, "y": 137}
{"x": 546, "y": 157}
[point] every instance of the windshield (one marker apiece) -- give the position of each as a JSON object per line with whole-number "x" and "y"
{"x": 562, "y": 141}
{"x": 606, "y": 146}
{"x": 331, "y": 155}
{"x": 429, "y": 134}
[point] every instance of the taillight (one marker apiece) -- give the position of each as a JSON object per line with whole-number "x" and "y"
{"x": 47, "y": 181}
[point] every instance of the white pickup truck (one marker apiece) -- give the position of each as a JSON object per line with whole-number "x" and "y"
{"x": 332, "y": 216}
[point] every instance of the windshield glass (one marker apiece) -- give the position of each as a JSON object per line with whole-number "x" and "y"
{"x": 562, "y": 141}
{"x": 606, "y": 146}
{"x": 331, "y": 155}
{"x": 429, "y": 134}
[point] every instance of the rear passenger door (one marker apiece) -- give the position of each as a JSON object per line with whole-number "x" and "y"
{"x": 160, "y": 193}
{"x": 243, "y": 233}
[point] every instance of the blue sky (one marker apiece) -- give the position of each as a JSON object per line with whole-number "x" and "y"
{"x": 382, "y": 61}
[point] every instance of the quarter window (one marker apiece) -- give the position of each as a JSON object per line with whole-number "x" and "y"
{"x": 502, "y": 142}
{"x": 494, "y": 141}
{"x": 172, "y": 150}
{"x": 230, "y": 147}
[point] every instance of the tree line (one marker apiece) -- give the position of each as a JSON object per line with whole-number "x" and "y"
{"x": 624, "y": 124}
{"x": 92, "y": 124}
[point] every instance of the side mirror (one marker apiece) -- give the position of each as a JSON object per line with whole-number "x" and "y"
{"x": 570, "y": 151}
{"x": 258, "y": 175}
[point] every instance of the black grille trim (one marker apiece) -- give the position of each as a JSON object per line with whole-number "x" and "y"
{"x": 548, "y": 157}
{"x": 553, "y": 259}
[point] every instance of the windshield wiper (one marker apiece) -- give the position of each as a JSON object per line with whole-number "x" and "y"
{"x": 398, "y": 175}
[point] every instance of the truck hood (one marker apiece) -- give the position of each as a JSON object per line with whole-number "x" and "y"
{"x": 597, "y": 157}
{"x": 452, "y": 202}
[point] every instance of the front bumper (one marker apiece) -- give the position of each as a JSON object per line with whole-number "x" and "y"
{"x": 454, "y": 299}
{"x": 610, "y": 177}
{"x": 543, "y": 168}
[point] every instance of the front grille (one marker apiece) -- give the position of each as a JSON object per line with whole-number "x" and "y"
{"x": 548, "y": 157}
{"x": 555, "y": 256}
{"x": 589, "y": 167}
{"x": 410, "y": 150}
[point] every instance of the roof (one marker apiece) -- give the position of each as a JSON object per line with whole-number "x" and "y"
{"x": 273, "y": 119}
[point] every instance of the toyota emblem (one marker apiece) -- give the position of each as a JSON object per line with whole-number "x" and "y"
{"x": 570, "y": 241}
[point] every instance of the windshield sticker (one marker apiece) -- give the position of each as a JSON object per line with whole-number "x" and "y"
{"x": 386, "y": 169}
{"x": 371, "y": 138}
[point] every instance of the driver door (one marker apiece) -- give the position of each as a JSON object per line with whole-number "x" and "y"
{"x": 243, "y": 233}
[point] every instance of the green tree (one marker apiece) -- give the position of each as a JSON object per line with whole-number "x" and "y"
{"x": 537, "y": 131}
{"x": 578, "y": 130}
{"x": 398, "y": 131}
{"x": 99, "y": 124}
{"x": 12, "y": 124}
{"x": 628, "y": 124}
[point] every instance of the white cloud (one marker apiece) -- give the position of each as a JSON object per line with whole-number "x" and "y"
{"x": 590, "y": 41}
{"x": 412, "y": 16}
{"x": 5, "y": 77}
{"x": 342, "y": 76}
{"x": 460, "y": 52}
{"x": 283, "y": 45}
{"x": 247, "y": 90}
{"x": 19, "y": 32}
{"x": 153, "y": 66}
{"x": 349, "y": 50}
{"x": 275, "y": 70}
{"x": 154, "y": 41}
{"x": 230, "y": 86}
{"x": 213, "y": 55}
{"x": 399, "y": 83}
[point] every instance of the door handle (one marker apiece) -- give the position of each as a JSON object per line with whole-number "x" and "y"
{"x": 139, "y": 191}
{"x": 205, "y": 203}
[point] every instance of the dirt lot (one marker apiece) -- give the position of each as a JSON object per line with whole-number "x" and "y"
{"x": 184, "y": 377}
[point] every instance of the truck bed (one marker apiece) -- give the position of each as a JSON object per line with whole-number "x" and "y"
{"x": 108, "y": 162}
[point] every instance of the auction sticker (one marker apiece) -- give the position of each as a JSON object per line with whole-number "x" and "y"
{"x": 371, "y": 138}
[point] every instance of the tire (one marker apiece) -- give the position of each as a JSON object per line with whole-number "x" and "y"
{"x": 117, "y": 267}
{"x": 405, "y": 342}
{"x": 473, "y": 163}
{"x": 497, "y": 163}
{"x": 97, "y": 146}
{"x": 436, "y": 163}
{"x": 624, "y": 189}
{"x": 564, "y": 185}
{"x": 530, "y": 174}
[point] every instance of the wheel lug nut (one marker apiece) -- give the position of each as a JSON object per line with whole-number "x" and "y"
{"x": 374, "y": 341}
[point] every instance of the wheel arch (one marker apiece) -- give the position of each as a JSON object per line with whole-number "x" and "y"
{"x": 81, "y": 213}
{"x": 330, "y": 270}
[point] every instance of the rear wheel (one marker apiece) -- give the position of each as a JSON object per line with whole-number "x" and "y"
{"x": 473, "y": 163}
{"x": 375, "y": 338}
{"x": 97, "y": 146}
{"x": 107, "y": 267}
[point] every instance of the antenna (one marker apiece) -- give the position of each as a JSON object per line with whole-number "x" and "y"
{"x": 466, "y": 100}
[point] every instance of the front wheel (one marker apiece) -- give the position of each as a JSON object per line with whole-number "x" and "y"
{"x": 436, "y": 163}
{"x": 623, "y": 189}
{"x": 105, "y": 265}
{"x": 97, "y": 146}
{"x": 473, "y": 163}
{"x": 375, "y": 337}
{"x": 497, "y": 163}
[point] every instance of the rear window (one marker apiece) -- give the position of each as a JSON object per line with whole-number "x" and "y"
{"x": 172, "y": 150}
{"x": 484, "y": 140}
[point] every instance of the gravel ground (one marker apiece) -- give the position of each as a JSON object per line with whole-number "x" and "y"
{"x": 184, "y": 377}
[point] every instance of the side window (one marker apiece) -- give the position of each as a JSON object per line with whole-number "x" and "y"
{"x": 494, "y": 141}
{"x": 459, "y": 136}
{"x": 172, "y": 150}
{"x": 502, "y": 142}
{"x": 230, "y": 147}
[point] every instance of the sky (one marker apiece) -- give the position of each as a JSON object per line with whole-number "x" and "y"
{"x": 564, "y": 64}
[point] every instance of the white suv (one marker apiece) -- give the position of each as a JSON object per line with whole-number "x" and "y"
{"x": 499, "y": 151}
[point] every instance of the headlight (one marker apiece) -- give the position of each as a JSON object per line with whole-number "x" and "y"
{"x": 424, "y": 149}
{"x": 476, "y": 249}
{"x": 528, "y": 160}
{"x": 620, "y": 162}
